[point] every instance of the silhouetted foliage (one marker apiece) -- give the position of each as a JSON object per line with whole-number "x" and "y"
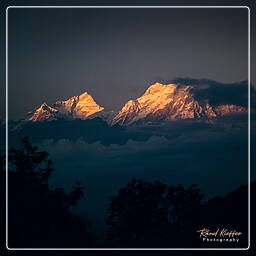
{"x": 76, "y": 194}
{"x": 31, "y": 162}
{"x": 39, "y": 216}
{"x": 146, "y": 214}
{"x": 143, "y": 214}
{"x": 230, "y": 212}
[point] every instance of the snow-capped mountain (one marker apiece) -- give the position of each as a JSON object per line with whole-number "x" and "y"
{"x": 44, "y": 112}
{"x": 167, "y": 102}
{"x": 198, "y": 99}
{"x": 81, "y": 107}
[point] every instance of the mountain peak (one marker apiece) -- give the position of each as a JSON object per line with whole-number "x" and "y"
{"x": 164, "y": 102}
{"x": 86, "y": 98}
{"x": 84, "y": 94}
{"x": 42, "y": 113}
{"x": 81, "y": 106}
{"x": 160, "y": 102}
{"x": 158, "y": 88}
{"x": 44, "y": 105}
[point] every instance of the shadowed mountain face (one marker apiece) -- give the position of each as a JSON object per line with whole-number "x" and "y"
{"x": 181, "y": 99}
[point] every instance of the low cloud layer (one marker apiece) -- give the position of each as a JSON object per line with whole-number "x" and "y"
{"x": 219, "y": 93}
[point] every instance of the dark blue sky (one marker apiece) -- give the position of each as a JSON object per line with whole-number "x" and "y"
{"x": 115, "y": 54}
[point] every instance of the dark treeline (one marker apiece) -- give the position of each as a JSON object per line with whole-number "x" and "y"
{"x": 145, "y": 214}
{"x": 142, "y": 214}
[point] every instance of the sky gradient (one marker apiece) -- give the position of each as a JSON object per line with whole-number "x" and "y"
{"x": 115, "y": 54}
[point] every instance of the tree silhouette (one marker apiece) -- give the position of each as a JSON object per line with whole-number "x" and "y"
{"x": 30, "y": 162}
{"x": 231, "y": 212}
{"x": 146, "y": 214}
{"x": 39, "y": 216}
{"x": 142, "y": 214}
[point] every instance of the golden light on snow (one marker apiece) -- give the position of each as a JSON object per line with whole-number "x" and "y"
{"x": 81, "y": 106}
{"x": 159, "y": 102}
